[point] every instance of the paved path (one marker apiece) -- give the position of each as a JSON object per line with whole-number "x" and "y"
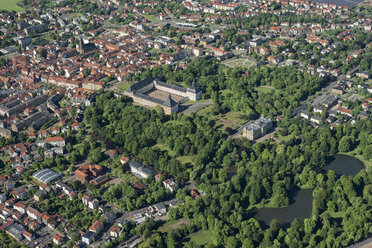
{"x": 364, "y": 244}
{"x": 194, "y": 107}
{"x": 239, "y": 130}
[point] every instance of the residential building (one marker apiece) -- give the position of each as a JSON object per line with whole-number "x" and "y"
{"x": 115, "y": 231}
{"x": 96, "y": 227}
{"x": 140, "y": 170}
{"x": 87, "y": 237}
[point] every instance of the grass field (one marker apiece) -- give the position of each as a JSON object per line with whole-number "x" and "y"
{"x": 173, "y": 225}
{"x": 152, "y": 18}
{"x": 265, "y": 89}
{"x": 123, "y": 86}
{"x": 10, "y": 5}
{"x": 205, "y": 111}
{"x": 243, "y": 62}
{"x": 236, "y": 117}
{"x": 185, "y": 159}
{"x": 201, "y": 237}
{"x": 164, "y": 148}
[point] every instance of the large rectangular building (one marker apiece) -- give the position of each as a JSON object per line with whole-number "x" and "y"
{"x": 152, "y": 92}
{"x": 258, "y": 128}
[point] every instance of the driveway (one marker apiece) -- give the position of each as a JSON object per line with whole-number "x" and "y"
{"x": 194, "y": 107}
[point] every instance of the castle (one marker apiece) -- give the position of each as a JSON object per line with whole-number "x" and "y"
{"x": 153, "y": 92}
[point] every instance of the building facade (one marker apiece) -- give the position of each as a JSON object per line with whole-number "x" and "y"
{"x": 258, "y": 128}
{"x": 138, "y": 93}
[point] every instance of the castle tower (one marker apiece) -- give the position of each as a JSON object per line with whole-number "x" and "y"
{"x": 194, "y": 92}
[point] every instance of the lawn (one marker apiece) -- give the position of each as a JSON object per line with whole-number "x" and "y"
{"x": 285, "y": 138}
{"x": 205, "y": 111}
{"x": 185, "y": 159}
{"x": 152, "y": 18}
{"x": 10, "y": 5}
{"x": 123, "y": 87}
{"x": 164, "y": 148}
{"x": 265, "y": 89}
{"x": 236, "y": 117}
{"x": 173, "y": 225}
{"x": 201, "y": 237}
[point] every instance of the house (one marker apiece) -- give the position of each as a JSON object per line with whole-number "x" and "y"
{"x": 115, "y": 231}
{"x": 138, "y": 218}
{"x": 33, "y": 213}
{"x": 56, "y": 141}
{"x": 34, "y": 225}
{"x": 86, "y": 199}
{"x": 124, "y": 160}
{"x": 47, "y": 218}
{"x": 87, "y": 237}
{"x": 39, "y": 194}
{"x": 337, "y": 90}
{"x": 17, "y": 215}
{"x": 16, "y": 231}
{"x": 112, "y": 153}
{"x": 139, "y": 186}
{"x": 194, "y": 193}
{"x": 170, "y": 184}
{"x": 20, "y": 207}
{"x": 55, "y": 130}
{"x": 93, "y": 204}
{"x": 75, "y": 126}
{"x": 160, "y": 208}
{"x": 58, "y": 239}
{"x": 316, "y": 119}
{"x": 6, "y": 212}
{"x": 19, "y": 192}
{"x": 29, "y": 236}
{"x": 2, "y": 198}
{"x": 305, "y": 115}
{"x": 96, "y": 227}
{"x": 109, "y": 217}
{"x": 10, "y": 202}
{"x": 140, "y": 170}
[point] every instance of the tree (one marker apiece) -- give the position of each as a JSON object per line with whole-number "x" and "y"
{"x": 344, "y": 144}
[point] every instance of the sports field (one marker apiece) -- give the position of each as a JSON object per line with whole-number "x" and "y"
{"x": 10, "y": 5}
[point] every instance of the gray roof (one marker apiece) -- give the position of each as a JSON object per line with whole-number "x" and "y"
{"x": 139, "y": 85}
{"x": 171, "y": 86}
{"x": 169, "y": 102}
{"x": 46, "y": 175}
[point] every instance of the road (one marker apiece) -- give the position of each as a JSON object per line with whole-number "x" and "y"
{"x": 239, "y": 130}
{"x": 194, "y": 107}
{"x": 364, "y": 244}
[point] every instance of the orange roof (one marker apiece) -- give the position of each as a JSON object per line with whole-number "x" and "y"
{"x": 96, "y": 225}
{"x": 54, "y": 139}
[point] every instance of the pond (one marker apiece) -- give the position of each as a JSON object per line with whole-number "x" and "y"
{"x": 345, "y": 165}
{"x": 301, "y": 208}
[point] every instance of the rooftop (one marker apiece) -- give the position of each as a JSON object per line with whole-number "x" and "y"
{"x": 47, "y": 175}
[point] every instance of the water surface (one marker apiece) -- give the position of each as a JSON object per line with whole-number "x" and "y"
{"x": 301, "y": 208}
{"x": 345, "y": 165}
